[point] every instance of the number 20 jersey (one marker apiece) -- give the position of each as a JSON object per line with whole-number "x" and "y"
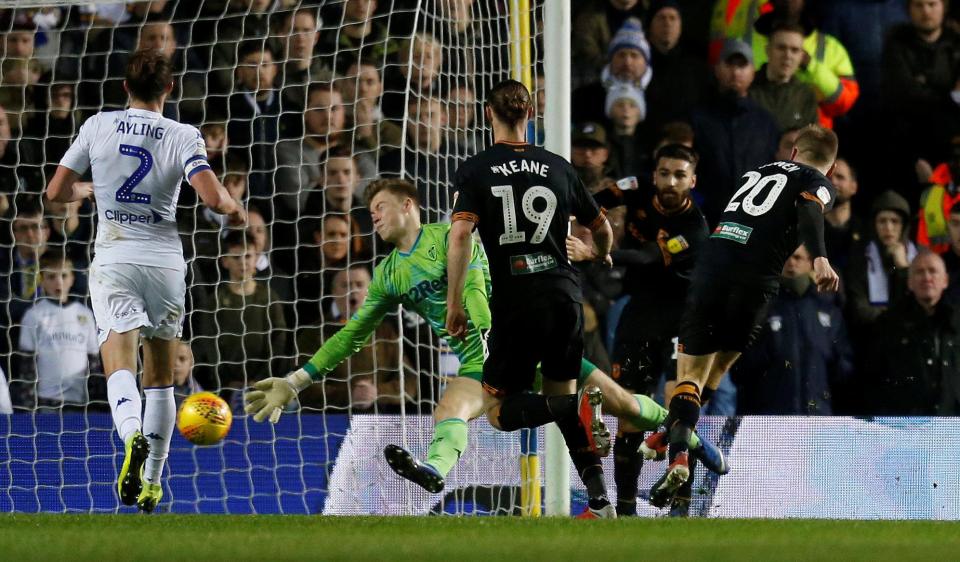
{"x": 521, "y": 197}
{"x": 758, "y": 228}
{"x": 138, "y": 160}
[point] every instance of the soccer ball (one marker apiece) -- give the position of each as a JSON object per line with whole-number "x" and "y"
{"x": 204, "y": 418}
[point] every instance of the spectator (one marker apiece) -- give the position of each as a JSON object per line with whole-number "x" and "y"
{"x": 299, "y": 32}
{"x": 426, "y": 159}
{"x": 732, "y": 132}
{"x": 58, "y": 339}
{"x": 788, "y": 138}
{"x": 71, "y": 229}
{"x": 590, "y": 155}
{"x": 333, "y": 244}
{"x": 253, "y": 126}
{"x": 951, "y": 258}
{"x": 680, "y": 78}
{"x": 183, "y": 382}
{"x": 215, "y": 139}
{"x": 630, "y": 143}
{"x": 246, "y": 336}
{"x": 370, "y": 376}
{"x": 21, "y": 264}
{"x": 801, "y": 355}
{"x": 937, "y": 200}
{"x": 245, "y": 20}
{"x": 415, "y": 71}
{"x": 593, "y": 28}
{"x": 915, "y": 359}
{"x": 877, "y": 276}
{"x": 362, "y": 89}
{"x": 359, "y": 31}
{"x": 777, "y": 88}
{"x": 268, "y": 268}
{"x": 338, "y": 191}
{"x": 463, "y": 136}
{"x": 628, "y": 58}
{"x": 18, "y": 92}
{"x": 825, "y": 65}
{"x": 921, "y": 90}
{"x": 47, "y": 137}
{"x": 842, "y": 229}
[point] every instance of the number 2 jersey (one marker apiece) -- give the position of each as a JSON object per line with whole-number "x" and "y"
{"x": 521, "y": 197}
{"x": 138, "y": 160}
{"x": 758, "y": 228}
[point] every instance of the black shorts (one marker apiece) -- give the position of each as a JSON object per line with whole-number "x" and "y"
{"x": 723, "y": 315}
{"x": 638, "y": 365}
{"x": 549, "y": 334}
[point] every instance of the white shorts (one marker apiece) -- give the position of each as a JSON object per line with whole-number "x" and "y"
{"x": 129, "y": 296}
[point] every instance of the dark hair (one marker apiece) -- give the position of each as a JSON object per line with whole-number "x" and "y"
{"x": 787, "y": 24}
{"x": 27, "y": 204}
{"x": 54, "y": 258}
{"x": 510, "y": 101}
{"x": 677, "y": 152}
{"x": 396, "y": 186}
{"x": 253, "y": 46}
{"x": 237, "y": 237}
{"x": 148, "y": 73}
{"x": 316, "y": 87}
{"x": 817, "y": 145}
{"x": 676, "y": 132}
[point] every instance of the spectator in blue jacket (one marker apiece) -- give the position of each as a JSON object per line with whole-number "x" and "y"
{"x": 802, "y": 355}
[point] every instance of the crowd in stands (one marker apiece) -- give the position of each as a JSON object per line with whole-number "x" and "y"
{"x": 302, "y": 103}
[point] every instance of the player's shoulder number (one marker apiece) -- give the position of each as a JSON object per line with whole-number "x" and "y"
{"x": 512, "y": 234}
{"x": 747, "y": 196}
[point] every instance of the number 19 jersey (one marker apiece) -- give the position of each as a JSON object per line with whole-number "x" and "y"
{"x": 138, "y": 160}
{"x": 758, "y": 228}
{"x": 521, "y": 197}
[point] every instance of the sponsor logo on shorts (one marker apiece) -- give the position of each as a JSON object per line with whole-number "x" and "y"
{"x": 733, "y": 231}
{"x": 123, "y": 217}
{"x": 125, "y": 313}
{"x": 531, "y": 263}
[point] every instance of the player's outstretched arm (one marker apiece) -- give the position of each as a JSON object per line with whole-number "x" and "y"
{"x": 459, "y": 251}
{"x": 216, "y": 197}
{"x": 65, "y": 188}
{"x": 810, "y": 234}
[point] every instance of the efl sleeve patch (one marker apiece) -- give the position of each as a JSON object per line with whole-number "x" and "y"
{"x": 823, "y": 194}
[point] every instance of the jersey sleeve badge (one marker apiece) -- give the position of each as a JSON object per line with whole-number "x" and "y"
{"x": 823, "y": 194}
{"x": 677, "y": 244}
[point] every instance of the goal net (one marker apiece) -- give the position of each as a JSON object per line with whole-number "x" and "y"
{"x": 301, "y": 105}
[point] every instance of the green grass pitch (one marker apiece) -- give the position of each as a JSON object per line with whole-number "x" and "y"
{"x": 125, "y": 538}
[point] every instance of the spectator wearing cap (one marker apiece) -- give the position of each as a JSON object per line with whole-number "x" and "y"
{"x": 877, "y": 275}
{"x": 732, "y": 132}
{"x": 590, "y": 155}
{"x": 921, "y": 86}
{"x": 914, "y": 364}
{"x": 825, "y": 64}
{"x": 776, "y": 87}
{"x": 680, "y": 78}
{"x": 628, "y": 63}
{"x": 938, "y": 200}
{"x": 593, "y": 27}
{"x": 630, "y": 141}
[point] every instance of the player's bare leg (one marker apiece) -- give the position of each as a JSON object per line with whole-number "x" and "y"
{"x": 159, "y": 415}
{"x": 119, "y": 354}
{"x": 463, "y": 400}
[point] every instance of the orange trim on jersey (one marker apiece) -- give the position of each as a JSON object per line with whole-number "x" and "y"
{"x": 683, "y": 208}
{"x": 465, "y": 216}
{"x": 598, "y": 222}
{"x": 512, "y": 143}
{"x": 662, "y": 238}
{"x": 814, "y": 198}
{"x": 494, "y": 391}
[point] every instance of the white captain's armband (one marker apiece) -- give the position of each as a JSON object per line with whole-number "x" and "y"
{"x": 196, "y": 164}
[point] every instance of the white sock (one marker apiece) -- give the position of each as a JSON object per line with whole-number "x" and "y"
{"x": 159, "y": 415}
{"x": 125, "y": 402}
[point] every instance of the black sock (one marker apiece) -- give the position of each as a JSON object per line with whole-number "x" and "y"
{"x": 627, "y": 463}
{"x": 591, "y": 473}
{"x": 533, "y": 410}
{"x": 685, "y": 409}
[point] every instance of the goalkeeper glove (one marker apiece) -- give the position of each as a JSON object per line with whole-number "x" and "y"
{"x": 272, "y": 395}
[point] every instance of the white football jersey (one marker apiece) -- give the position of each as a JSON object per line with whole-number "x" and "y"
{"x": 138, "y": 159}
{"x": 62, "y": 337}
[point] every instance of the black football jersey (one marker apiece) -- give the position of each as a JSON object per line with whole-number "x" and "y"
{"x": 521, "y": 197}
{"x": 658, "y": 290}
{"x": 758, "y": 228}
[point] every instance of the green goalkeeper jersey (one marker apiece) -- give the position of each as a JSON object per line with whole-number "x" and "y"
{"x": 418, "y": 281}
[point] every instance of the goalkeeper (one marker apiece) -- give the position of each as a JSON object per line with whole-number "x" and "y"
{"x": 416, "y": 278}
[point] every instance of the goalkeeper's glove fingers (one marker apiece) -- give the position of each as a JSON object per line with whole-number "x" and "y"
{"x": 272, "y": 395}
